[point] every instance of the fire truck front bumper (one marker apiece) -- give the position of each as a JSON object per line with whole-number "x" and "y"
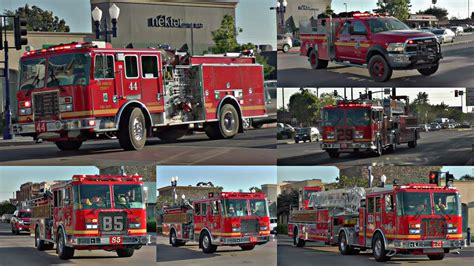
{"x": 413, "y": 60}
{"x": 53, "y": 129}
{"x": 428, "y": 246}
{"x": 109, "y": 240}
{"x": 244, "y": 240}
{"x": 349, "y": 147}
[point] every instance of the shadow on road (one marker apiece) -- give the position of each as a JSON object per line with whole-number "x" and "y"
{"x": 166, "y": 253}
{"x": 27, "y": 256}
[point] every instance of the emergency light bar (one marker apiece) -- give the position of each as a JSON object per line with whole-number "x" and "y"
{"x": 73, "y": 45}
{"x": 242, "y": 194}
{"x": 101, "y": 178}
{"x": 423, "y": 186}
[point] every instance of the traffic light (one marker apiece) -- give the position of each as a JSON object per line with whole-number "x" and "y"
{"x": 456, "y": 93}
{"x": 20, "y": 31}
{"x": 434, "y": 177}
{"x": 369, "y": 96}
{"x": 449, "y": 179}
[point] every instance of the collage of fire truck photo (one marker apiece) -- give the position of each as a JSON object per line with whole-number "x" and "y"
{"x": 236, "y": 132}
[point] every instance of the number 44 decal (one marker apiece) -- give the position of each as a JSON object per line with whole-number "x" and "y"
{"x": 133, "y": 86}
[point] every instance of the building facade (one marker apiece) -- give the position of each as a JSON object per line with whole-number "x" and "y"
{"x": 298, "y": 10}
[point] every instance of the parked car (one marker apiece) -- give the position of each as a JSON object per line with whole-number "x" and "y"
{"x": 284, "y": 43}
{"x": 435, "y": 127}
{"x": 273, "y": 225}
{"x": 285, "y": 130}
{"x": 307, "y": 134}
{"x": 458, "y": 30}
{"x": 465, "y": 125}
{"x": 424, "y": 127}
{"x": 270, "y": 90}
{"x": 6, "y": 217}
{"x": 21, "y": 221}
{"x": 444, "y": 35}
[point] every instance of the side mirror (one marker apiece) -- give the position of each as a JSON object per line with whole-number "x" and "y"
{"x": 66, "y": 201}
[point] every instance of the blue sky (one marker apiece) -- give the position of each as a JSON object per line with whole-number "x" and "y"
{"x": 231, "y": 178}
{"x": 11, "y": 177}
{"x": 253, "y": 16}
{"x": 295, "y": 173}
{"x": 456, "y": 8}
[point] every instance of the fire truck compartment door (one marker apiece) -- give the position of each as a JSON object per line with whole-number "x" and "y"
{"x": 342, "y": 42}
{"x": 132, "y": 89}
{"x": 151, "y": 82}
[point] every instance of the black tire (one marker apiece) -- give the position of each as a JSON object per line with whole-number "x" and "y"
{"x": 227, "y": 126}
{"x": 125, "y": 252}
{"x": 206, "y": 243}
{"x": 315, "y": 62}
{"x": 286, "y": 48}
{"x": 212, "y": 130}
{"x": 298, "y": 241}
{"x": 64, "y": 252}
{"x": 173, "y": 239}
{"x": 333, "y": 153}
{"x": 436, "y": 256}
{"x": 413, "y": 143}
{"x": 428, "y": 71}
{"x": 132, "y": 129}
{"x": 247, "y": 247}
{"x": 13, "y": 230}
{"x": 71, "y": 145}
{"x": 40, "y": 245}
{"x": 378, "y": 249}
{"x": 379, "y": 69}
{"x": 344, "y": 248}
{"x": 17, "y": 231}
{"x": 172, "y": 134}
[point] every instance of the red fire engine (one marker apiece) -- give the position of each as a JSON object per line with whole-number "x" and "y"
{"x": 79, "y": 91}
{"x": 380, "y": 43}
{"x": 222, "y": 219}
{"x": 418, "y": 219}
{"x": 91, "y": 212}
{"x": 368, "y": 125}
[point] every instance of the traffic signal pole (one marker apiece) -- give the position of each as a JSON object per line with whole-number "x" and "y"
{"x": 7, "y": 134}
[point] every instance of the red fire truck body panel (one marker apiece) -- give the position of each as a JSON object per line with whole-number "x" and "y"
{"x": 77, "y": 92}
{"x": 212, "y": 216}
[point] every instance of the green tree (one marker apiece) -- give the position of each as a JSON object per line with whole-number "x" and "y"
{"x": 38, "y": 19}
{"x": 256, "y": 189}
{"x": 329, "y": 11}
{"x": 305, "y": 106}
{"x": 286, "y": 201}
{"x": 6, "y": 207}
{"x": 439, "y": 13}
{"x": 397, "y": 8}
{"x": 162, "y": 201}
{"x": 344, "y": 182}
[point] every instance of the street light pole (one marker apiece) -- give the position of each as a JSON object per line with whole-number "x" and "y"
{"x": 114, "y": 12}
{"x": 345, "y": 4}
{"x": 174, "y": 183}
{"x": 280, "y": 11}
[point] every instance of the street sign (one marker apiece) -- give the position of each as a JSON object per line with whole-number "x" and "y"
{"x": 470, "y": 97}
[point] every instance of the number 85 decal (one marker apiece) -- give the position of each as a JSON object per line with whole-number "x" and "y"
{"x": 112, "y": 223}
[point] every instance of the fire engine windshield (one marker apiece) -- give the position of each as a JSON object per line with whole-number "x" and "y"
{"x": 32, "y": 73}
{"x": 380, "y": 24}
{"x": 308, "y": 193}
{"x": 68, "y": 69}
{"x": 94, "y": 196}
{"x": 24, "y": 214}
{"x": 413, "y": 203}
{"x": 447, "y": 203}
{"x": 349, "y": 117}
{"x": 236, "y": 207}
{"x": 128, "y": 197}
{"x": 333, "y": 117}
{"x": 258, "y": 208}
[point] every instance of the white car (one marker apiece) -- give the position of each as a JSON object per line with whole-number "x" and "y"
{"x": 273, "y": 225}
{"x": 444, "y": 35}
{"x": 458, "y": 30}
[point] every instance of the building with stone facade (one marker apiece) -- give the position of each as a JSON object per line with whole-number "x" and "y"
{"x": 298, "y": 10}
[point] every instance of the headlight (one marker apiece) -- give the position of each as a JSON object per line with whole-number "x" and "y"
{"x": 21, "y": 222}
{"x": 452, "y": 230}
{"x": 65, "y": 107}
{"x": 396, "y": 47}
{"x": 330, "y": 134}
{"x": 359, "y": 134}
{"x": 134, "y": 225}
{"x": 263, "y": 228}
{"x": 235, "y": 229}
{"x": 414, "y": 228}
{"x": 25, "y": 111}
{"x": 414, "y": 231}
{"x": 91, "y": 226}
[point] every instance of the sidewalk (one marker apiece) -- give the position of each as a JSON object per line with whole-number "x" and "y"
{"x": 16, "y": 141}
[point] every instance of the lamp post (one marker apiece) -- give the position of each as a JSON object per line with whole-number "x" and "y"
{"x": 345, "y": 4}
{"x": 114, "y": 12}
{"x": 281, "y": 10}
{"x": 174, "y": 183}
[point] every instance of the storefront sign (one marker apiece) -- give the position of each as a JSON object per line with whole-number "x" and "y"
{"x": 162, "y": 21}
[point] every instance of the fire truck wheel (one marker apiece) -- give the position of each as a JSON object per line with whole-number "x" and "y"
{"x": 413, "y": 143}
{"x": 125, "y": 252}
{"x": 247, "y": 247}
{"x": 428, "y": 71}
{"x": 38, "y": 242}
{"x": 206, "y": 244}
{"x": 72, "y": 145}
{"x": 333, "y": 153}
{"x": 64, "y": 252}
{"x": 315, "y": 62}
{"x": 132, "y": 129}
{"x": 173, "y": 239}
{"x": 286, "y": 48}
{"x": 344, "y": 248}
{"x": 436, "y": 256}
{"x": 229, "y": 122}
{"x": 378, "y": 249}
{"x": 298, "y": 241}
{"x": 379, "y": 69}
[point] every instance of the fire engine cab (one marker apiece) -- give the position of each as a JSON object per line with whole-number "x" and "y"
{"x": 79, "y": 91}
{"x": 305, "y": 195}
{"x": 352, "y": 126}
{"x": 91, "y": 212}
{"x": 223, "y": 219}
{"x": 417, "y": 219}
{"x": 380, "y": 43}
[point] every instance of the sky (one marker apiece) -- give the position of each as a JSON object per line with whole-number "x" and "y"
{"x": 435, "y": 95}
{"x": 253, "y": 16}
{"x": 11, "y": 177}
{"x": 231, "y": 178}
{"x": 457, "y": 8}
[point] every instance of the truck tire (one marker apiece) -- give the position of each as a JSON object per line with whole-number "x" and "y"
{"x": 428, "y": 71}
{"x": 125, "y": 252}
{"x": 38, "y": 242}
{"x": 413, "y": 143}
{"x": 227, "y": 126}
{"x": 206, "y": 243}
{"x": 172, "y": 134}
{"x": 436, "y": 256}
{"x": 315, "y": 62}
{"x": 379, "y": 69}
{"x": 64, "y": 252}
{"x": 71, "y": 145}
{"x": 247, "y": 247}
{"x": 344, "y": 248}
{"x": 132, "y": 129}
{"x": 378, "y": 249}
{"x": 174, "y": 239}
{"x": 333, "y": 153}
{"x": 298, "y": 241}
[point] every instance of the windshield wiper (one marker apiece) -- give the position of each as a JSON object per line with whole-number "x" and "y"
{"x": 55, "y": 79}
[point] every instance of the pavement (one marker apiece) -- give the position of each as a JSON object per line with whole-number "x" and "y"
{"x": 190, "y": 254}
{"x": 20, "y": 250}
{"x": 444, "y": 147}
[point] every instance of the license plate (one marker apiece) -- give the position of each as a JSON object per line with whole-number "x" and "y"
{"x": 253, "y": 239}
{"x": 344, "y": 146}
{"x": 433, "y": 250}
{"x": 115, "y": 240}
{"x": 437, "y": 244}
{"x": 41, "y": 126}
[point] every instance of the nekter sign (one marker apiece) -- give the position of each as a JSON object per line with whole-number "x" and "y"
{"x": 162, "y": 21}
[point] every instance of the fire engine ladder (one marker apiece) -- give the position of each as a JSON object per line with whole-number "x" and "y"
{"x": 341, "y": 201}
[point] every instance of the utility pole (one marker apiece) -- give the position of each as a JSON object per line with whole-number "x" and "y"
{"x": 6, "y": 75}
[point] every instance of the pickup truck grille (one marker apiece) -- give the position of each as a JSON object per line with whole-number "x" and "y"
{"x": 433, "y": 228}
{"x": 344, "y": 134}
{"x": 46, "y": 105}
{"x": 423, "y": 46}
{"x": 249, "y": 226}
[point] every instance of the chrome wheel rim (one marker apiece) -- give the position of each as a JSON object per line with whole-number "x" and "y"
{"x": 229, "y": 121}
{"x": 60, "y": 244}
{"x": 173, "y": 238}
{"x": 137, "y": 129}
{"x": 37, "y": 237}
{"x": 378, "y": 247}
{"x": 205, "y": 242}
{"x": 343, "y": 243}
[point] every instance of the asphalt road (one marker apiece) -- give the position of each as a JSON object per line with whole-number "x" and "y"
{"x": 455, "y": 70}
{"x": 445, "y": 147}
{"x": 253, "y": 147}
{"x": 328, "y": 255}
{"x": 20, "y": 250}
{"x": 190, "y": 254}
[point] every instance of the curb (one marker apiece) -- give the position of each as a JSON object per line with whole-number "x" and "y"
{"x": 14, "y": 142}
{"x": 456, "y": 43}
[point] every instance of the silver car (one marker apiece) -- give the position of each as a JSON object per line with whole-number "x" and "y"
{"x": 284, "y": 43}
